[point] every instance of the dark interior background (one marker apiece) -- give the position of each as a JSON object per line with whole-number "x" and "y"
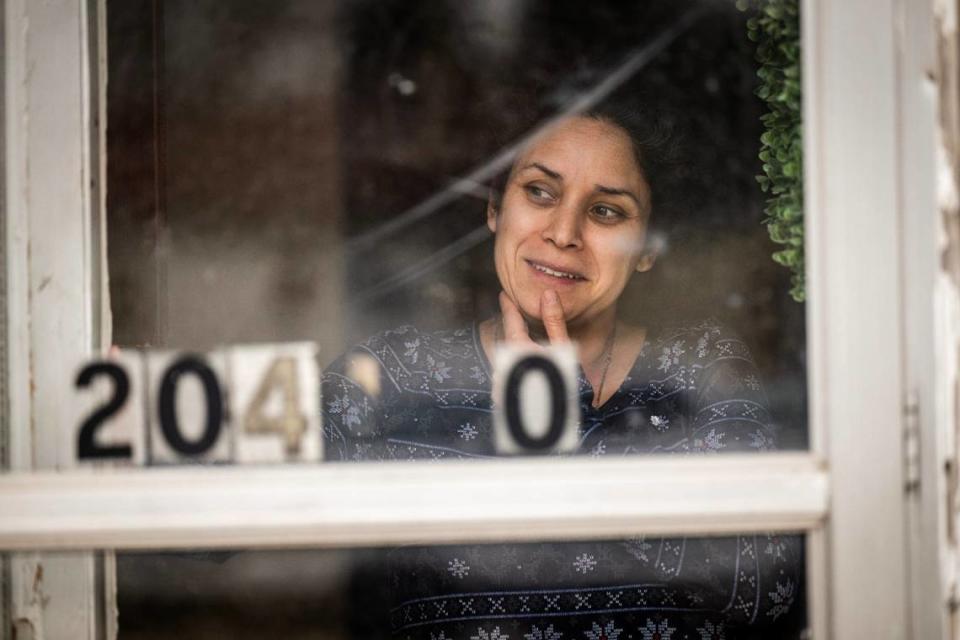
{"x": 261, "y": 156}
{"x": 257, "y": 150}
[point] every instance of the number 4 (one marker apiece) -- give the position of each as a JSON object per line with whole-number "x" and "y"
{"x": 275, "y": 403}
{"x": 289, "y": 422}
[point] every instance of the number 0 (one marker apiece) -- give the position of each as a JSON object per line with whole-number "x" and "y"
{"x": 168, "y": 413}
{"x": 558, "y": 404}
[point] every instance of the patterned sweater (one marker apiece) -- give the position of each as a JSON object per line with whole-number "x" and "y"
{"x": 691, "y": 390}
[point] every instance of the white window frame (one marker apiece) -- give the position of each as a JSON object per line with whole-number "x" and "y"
{"x": 869, "y": 140}
{"x": 54, "y": 292}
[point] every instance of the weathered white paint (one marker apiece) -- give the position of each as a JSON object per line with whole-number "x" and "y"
{"x": 96, "y": 88}
{"x": 946, "y": 309}
{"x": 917, "y": 102}
{"x": 394, "y": 503}
{"x": 53, "y": 595}
{"x": 852, "y": 191}
{"x": 102, "y": 322}
{"x": 4, "y": 415}
{"x": 52, "y": 256}
{"x": 111, "y": 608}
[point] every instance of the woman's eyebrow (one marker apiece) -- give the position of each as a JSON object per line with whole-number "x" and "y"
{"x": 550, "y": 172}
{"x": 613, "y": 191}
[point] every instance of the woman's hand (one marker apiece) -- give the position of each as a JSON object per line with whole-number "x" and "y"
{"x": 515, "y": 328}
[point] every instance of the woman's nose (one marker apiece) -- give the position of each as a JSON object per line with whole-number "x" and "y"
{"x": 564, "y": 227}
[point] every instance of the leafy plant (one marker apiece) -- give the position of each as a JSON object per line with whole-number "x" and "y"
{"x": 775, "y": 28}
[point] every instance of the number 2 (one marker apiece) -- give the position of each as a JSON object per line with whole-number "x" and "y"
{"x": 87, "y": 446}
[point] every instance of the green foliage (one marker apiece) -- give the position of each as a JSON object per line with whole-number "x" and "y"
{"x": 775, "y": 28}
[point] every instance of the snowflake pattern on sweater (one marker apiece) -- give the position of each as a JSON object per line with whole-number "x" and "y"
{"x": 692, "y": 390}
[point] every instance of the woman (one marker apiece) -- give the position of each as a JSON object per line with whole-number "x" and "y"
{"x": 571, "y": 228}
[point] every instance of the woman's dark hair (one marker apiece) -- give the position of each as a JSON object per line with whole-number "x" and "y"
{"x": 656, "y": 140}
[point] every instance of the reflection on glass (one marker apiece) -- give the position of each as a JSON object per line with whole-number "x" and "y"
{"x": 334, "y": 172}
{"x": 446, "y": 177}
{"x": 571, "y": 219}
{"x": 642, "y": 588}
{"x": 276, "y": 594}
{"x": 670, "y": 588}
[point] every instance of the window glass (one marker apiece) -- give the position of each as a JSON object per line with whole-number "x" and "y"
{"x": 332, "y": 173}
{"x": 407, "y": 185}
{"x": 724, "y": 587}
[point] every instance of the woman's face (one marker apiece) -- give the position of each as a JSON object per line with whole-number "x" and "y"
{"x": 573, "y": 218}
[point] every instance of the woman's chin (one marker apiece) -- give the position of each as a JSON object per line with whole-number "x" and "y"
{"x": 531, "y": 316}
{"x": 530, "y": 308}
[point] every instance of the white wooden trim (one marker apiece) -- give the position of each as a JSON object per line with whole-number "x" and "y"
{"x": 55, "y": 159}
{"x": 51, "y": 253}
{"x": 5, "y": 618}
{"x": 95, "y": 86}
{"x": 818, "y": 585}
{"x": 813, "y": 185}
{"x": 107, "y": 619}
{"x": 925, "y": 343}
{"x": 853, "y": 190}
{"x": 818, "y": 567}
{"x": 17, "y": 233}
{"x": 394, "y": 503}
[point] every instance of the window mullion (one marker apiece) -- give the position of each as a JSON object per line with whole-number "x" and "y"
{"x": 853, "y": 189}
{"x": 394, "y": 503}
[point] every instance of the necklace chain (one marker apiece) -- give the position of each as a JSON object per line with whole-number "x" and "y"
{"x": 607, "y": 356}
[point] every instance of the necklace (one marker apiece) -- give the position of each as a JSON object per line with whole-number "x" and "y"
{"x": 607, "y": 357}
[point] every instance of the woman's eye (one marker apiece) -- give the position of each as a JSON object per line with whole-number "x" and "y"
{"x": 607, "y": 214}
{"x": 538, "y": 193}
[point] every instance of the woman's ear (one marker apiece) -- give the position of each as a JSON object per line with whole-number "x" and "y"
{"x": 653, "y": 244}
{"x": 647, "y": 258}
{"x": 492, "y": 212}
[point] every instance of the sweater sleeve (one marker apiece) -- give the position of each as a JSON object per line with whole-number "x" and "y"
{"x": 350, "y": 411}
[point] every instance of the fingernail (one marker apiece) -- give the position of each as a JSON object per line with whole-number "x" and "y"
{"x": 551, "y": 296}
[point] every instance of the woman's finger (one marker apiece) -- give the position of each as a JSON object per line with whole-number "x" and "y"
{"x": 551, "y": 311}
{"x": 514, "y": 326}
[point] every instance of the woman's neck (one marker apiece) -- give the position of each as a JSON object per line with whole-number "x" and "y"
{"x": 592, "y": 336}
{"x": 607, "y": 349}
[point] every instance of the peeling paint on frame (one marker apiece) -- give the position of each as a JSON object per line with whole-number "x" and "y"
{"x": 4, "y": 405}
{"x": 947, "y": 287}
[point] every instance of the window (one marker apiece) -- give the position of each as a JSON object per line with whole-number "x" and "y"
{"x": 854, "y": 323}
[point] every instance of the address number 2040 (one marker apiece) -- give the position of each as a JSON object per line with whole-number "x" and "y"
{"x": 240, "y": 404}
{"x": 249, "y": 404}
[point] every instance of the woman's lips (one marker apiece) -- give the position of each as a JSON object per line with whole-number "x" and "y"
{"x": 554, "y": 273}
